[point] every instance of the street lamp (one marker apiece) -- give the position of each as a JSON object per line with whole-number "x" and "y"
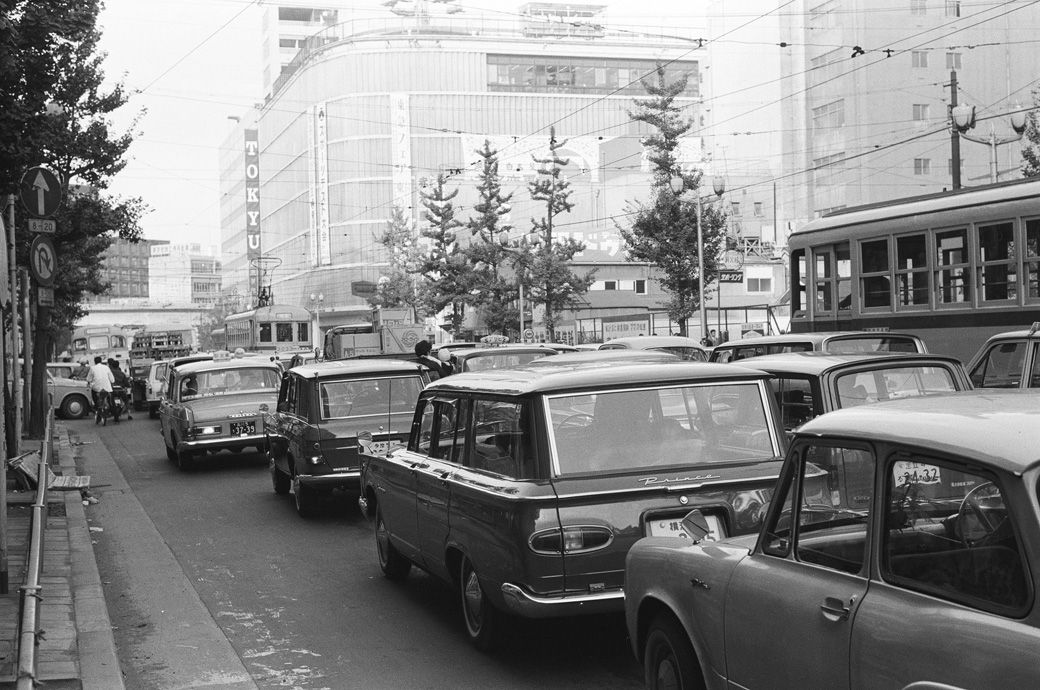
{"x": 964, "y": 119}
{"x": 718, "y": 183}
{"x": 317, "y": 299}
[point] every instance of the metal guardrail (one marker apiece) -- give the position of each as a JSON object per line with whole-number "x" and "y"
{"x": 30, "y": 589}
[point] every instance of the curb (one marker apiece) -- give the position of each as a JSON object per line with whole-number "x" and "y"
{"x": 98, "y": 661}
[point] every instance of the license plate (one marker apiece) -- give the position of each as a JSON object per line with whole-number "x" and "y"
{"x": 672, "y": 527}
{"x": 915, "y": 473}
{"x": 243, "y": 428}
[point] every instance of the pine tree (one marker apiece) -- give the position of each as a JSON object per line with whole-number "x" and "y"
{"x": 1031, "y": 146}
{"x": 49, "y": 55}
{"x": 544, "y": 260}
{"x": 664, "y": 231}
{"x": 396, "y": 288}
{"x": 489, "y": 248}
{"x": 442, "y": 264}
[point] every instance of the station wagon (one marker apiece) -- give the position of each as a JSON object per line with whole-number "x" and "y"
{"x": 312, "y": 433}
{"x": 836, "y": 342}
{"x": 914, "y": 565}
{"x": 214, "y": 405}
{"x": 524, "y": 488}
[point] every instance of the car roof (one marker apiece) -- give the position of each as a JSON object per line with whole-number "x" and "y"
{"x": 610, "y": 355}
{"x": 502, "y": 350}
{"x": 817, "y": 338}
{"x": 645, "y": 342}
{"x": 999, "y": 427}
{"x": 338, "y": 367}
{"x": 234, "y": 363}
{"x": 816, "y": 363}
{"x": 1027, "y": 333}
{"x": 586, "y": 375}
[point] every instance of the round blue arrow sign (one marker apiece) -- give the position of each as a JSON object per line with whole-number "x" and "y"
{"x": 40, "y": 190}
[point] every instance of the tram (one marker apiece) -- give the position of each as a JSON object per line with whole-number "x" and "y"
{"x": 268, "y": 329}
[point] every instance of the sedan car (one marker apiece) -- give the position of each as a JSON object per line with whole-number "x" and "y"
{"x": 808, "y": 384}
{"x": 501, "y": 357}
{"x": 70, "y": 396}
{"x": 214, "y": 405}
{"x": 837, "y": 342}
{"x": 524, "y": 488}
{"x": 686, "y": 348}
{"x": 312, "y": 435}
{"x": 1008, "y": 360}
{"x": 913, "y": 565}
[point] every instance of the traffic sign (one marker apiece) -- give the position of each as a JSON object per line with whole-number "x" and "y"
{"x": 41, "y": 225}
{"x": 528, "y": 334}
{"x": 40, "y": 191}
{"x": 45, "y": 296}
{"x": 42, "y": 260}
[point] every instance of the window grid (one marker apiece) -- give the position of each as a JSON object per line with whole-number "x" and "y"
{"x": 912, "y": 274}
{"x": 919, "y": 58}
{"x": 998, "y": 263}
{"x": 875, "y": 274}
{"x": 952, "y": 270}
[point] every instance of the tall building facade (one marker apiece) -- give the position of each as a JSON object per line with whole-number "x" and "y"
{"x": 369, "y": 113}
{"x": 124, "y": 266}
{"x": 185, "y": 274}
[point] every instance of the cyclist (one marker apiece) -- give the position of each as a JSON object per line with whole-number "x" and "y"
{"x": 100, "y": 379}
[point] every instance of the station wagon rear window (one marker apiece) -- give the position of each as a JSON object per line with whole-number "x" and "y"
{"x": 369, "y": 396}
{"x": 620, "y": 430}
{"x": 864, "y": 387}
{"x": 217, "y": 382}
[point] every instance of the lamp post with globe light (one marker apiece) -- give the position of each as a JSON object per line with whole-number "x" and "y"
{"x": 964, "y": 119}
{"x": 317, "y": 299}
{"x": 678, "y": 185}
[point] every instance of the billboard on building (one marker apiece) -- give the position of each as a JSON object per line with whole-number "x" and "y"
{"x": 252, "y": 160}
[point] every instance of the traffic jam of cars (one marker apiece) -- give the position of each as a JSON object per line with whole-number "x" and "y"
{"x": 879, "y": 500}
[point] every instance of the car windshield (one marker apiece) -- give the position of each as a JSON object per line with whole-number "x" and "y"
{"x": 859, "y": 388}
{"x": 217, "y": 382}
{"x": 845, "y": 346}
{"x": 492, "y": 360}
{"x": 624, "y": 430}
{"x": 690, "y": 354}
{"x": 369, "y": 396}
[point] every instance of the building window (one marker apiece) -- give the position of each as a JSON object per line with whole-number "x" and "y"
{"x": 527, "y": 73}
{"x": 830, "y": 115}
{"x": 734, "y": 208}
{"x": 640, "y": 287}
{"x": 758, "y": 209}
{"x": 918, "y": 7}
{"x": 823, "y": 67}
{"x": 921, "y": 113}
{"x": 920, "y": 58}
{"x": 953, "y": 60}
{"x": 823, "y": 15}
{"x": 922, "y": 166}
{"x": 610, "y": 285}
{"x": 953, "y": 8}
{"x": 759, "y": 284}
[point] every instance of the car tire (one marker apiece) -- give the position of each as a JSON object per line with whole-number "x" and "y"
{"x": 668, "y": 659}
{"x": 185, "y": 460}
{"x": 171, "y": 454}
{"x": 304, "y": 498}
{"x": 394, "y": 566}
{"x": 74, "y": 407}
{"x": 482, "y": 619}
{"x": 280, "y": 480}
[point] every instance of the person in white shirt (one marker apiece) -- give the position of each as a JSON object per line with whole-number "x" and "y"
{"x": 100, "y": 379}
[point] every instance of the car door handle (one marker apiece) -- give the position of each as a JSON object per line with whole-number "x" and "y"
{"x": 420, "y": 465}
{"x": 835, "y": 610}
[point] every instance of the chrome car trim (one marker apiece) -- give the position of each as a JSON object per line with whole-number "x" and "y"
{"x": 333, "y": 479}
{"x": 221, "y": 442}
{"x": 521, "y": 602}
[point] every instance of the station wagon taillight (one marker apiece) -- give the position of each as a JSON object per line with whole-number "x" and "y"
{"x": 570, "y": 540}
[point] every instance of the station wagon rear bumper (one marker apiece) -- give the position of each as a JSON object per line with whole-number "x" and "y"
{"x": 345, "y": 479}
{"x": 527, "y": 605}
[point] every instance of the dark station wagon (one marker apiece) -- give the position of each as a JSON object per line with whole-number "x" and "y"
{"x": 312, "y": 435}
{"x": 526, "y": 487}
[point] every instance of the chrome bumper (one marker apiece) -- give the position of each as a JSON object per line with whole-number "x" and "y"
{"x": 222, "y": 442}
{"x": 346, "y": 479}
{"x": 527, "y": 605}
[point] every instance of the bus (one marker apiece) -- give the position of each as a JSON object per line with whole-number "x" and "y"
{"x": 953, "y": 268}
{"x": 107, "y": 341}
{"x": 269, "y": 329}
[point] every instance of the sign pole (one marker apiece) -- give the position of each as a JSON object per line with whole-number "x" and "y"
{"x": 4, "y": 584}
{"x": 27, "y": 335}
{"x": 15, "y": 379}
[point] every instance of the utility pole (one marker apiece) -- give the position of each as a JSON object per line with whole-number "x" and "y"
{"x": 955, "y": 137}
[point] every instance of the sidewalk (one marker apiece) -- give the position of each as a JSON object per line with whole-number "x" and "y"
{"x": 76, "y": 648}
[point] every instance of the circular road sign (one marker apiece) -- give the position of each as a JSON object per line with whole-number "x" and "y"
{"x": 40, "y": 191}
{"x": 42, "y": 260}
{"x": 528, "y": 334}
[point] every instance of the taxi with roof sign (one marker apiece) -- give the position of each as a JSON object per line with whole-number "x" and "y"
{"x": 1008, "y": 360}
{"x": 525, "y": 487}
{"x": 214, "y": 405}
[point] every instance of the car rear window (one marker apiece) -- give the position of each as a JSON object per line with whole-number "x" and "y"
{"x": 875, "y": 385}
{"x": 219, "y": 382}
{"x": 500, "y": 361}
{"x": 888, "y": 343}
{"x": 369, "y": 396}
{"x": 625, "y": 430}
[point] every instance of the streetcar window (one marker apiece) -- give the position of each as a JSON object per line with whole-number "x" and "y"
{"x": 844, "y": 272}
{"x": 874, "y": 260}
{"x": 824, "y": 281}
{"x": 954, "y": 281}
{"x": 302, "y": 331}
{"x": 283, "y": 331}
{"x": 1032, "y": 264}
{"x": 912, "y": 270}
{"x": 798, "y": 281}
{"x": 999, "y": 266}
{"x": 265, "y": 331}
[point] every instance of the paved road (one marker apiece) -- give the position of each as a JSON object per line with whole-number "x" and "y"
{"x": 212, "y": 579}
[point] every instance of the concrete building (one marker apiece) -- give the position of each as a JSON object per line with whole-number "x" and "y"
{"x": 125, "y": 266}
{"x": 184, "y": 274}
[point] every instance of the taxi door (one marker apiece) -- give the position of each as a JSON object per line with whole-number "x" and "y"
{"x": 433, "y": 480}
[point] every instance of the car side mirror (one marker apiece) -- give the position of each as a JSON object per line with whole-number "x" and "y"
{"x": 696, "y": 525}
{"x": 264, "y": 408}
{"x": 364, "y": 440}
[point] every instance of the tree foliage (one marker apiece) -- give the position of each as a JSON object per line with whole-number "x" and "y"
{"x": 544, "y": 260}
{"x": 396, "y": 288}
{"x": 664, "y": 231}
{"x": 442, "y": 264}
{"x": 56, "y": 113}
{"x": 1031, "y": 145}
{"x": 489, "y": 251}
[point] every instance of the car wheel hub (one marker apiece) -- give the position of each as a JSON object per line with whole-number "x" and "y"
{"x": 474, "y": 598}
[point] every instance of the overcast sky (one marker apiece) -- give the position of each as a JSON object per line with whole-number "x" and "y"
{"x": 197, "y": 62}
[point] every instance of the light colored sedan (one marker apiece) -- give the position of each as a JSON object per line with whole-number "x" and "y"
{"x": 900, "y": 550}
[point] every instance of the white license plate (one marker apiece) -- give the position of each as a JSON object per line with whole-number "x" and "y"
{"x": 915, "y": 473}
{"x": 672, "y": 527}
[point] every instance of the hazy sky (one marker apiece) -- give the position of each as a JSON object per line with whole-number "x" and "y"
{"x": 197, "y": 62}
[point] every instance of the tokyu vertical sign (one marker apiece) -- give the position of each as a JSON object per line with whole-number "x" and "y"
{"x": 253, "y": 250}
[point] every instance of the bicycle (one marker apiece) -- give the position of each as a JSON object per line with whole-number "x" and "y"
{"x": 101, "y": 407}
